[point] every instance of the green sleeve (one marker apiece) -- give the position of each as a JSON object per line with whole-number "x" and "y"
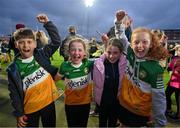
{"x": 61, "y": 69}
{"x": 156, "y": 77}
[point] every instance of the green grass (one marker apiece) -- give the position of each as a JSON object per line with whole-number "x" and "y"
{"x": 56, "y": 60}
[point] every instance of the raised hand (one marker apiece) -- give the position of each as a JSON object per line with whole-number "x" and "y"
{"x": 120, "y": 14}
{"x": 42, "y": 18}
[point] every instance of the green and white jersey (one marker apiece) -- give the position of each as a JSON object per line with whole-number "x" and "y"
{"x": 38, "y": 85}
{"x": 78, "y": 88}
{"x": 144, "y": 72}
{"x": 140, "y": 78}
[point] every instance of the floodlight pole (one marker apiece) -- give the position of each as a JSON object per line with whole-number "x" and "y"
{"x": 88, "y": 4}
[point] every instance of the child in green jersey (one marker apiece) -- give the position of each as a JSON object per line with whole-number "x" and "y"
{"x": 31, "y": 85}
{"x": 142, "y": 92}
{"x": 78, "y": 89}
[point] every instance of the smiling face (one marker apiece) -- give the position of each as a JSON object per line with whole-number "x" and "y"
{"x": 26, "y": 47}
{"x": 77, "y": 52}
{"x": 113, "y": 53}
{"x": 141, "y": 43}
{"x": 25, "y": 42}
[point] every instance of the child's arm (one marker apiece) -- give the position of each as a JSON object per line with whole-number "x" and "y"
{"x": 171, "y": 64}
{"x": 52, "y": 30}
{"x": 105, "y": 40}
{"x": 15, "y": 94}
{"x": 58, "y": 77}
{"x": 159, "y": 107}
{"x": 120, "y": 27}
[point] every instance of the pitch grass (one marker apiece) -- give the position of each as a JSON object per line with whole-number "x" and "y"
{"x": 7, "y": 120}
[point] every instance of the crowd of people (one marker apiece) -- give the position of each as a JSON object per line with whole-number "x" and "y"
{"x": 125, "y": 80}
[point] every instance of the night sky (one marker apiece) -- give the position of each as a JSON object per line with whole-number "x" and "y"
{"x": 162, "y": 14}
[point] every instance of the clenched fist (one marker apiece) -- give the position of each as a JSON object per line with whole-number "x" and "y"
{"x": 42, "y": 18}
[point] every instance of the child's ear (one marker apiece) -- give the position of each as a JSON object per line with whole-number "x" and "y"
{"x": 16, "y": 44}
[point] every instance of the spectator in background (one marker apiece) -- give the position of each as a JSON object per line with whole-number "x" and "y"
{"x": 0, "y": 56}
{"x": 174, "y": 85}
{"x": 160, "y": 35}
{"x": 4, "y": 51}
{"x": 93, "y": 47}
{"x": 11, "y": 41}
{"x": 65, "y": 43}
{"x": 41, "y": 39}
{"x": 171, "y": 49}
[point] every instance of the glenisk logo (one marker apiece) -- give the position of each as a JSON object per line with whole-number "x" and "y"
{"x": 34, "y": 78}
{"x": 78, "y": 82}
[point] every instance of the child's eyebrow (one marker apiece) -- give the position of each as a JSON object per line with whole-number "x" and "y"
{"x": 76, "y": 48}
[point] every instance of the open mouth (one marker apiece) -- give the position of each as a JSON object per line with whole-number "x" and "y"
{"x": 140, "y": 51}
{"x": 77, "y": 57}
{"x": 25, "y": 50}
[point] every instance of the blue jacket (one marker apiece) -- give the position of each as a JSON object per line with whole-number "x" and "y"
{"x": 42, "y": 56}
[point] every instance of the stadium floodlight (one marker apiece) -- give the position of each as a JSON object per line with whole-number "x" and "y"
{"x": 88, "y": 3}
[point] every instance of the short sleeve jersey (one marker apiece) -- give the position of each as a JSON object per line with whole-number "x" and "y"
{"x": 78, "y": 85}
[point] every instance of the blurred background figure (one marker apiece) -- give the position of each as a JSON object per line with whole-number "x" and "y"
{"x": 41, "y": 38}
{"x": 174, "y": 85}
{"x": 171, "y": 49}
{"x": 161, "y": 36}
{"x": 93, "y": 48}
{"x": 4, "y": 51}
{"x": 4, "y": 56}
{"x": 65, "y": 43}
{"x": 0, "y": 55}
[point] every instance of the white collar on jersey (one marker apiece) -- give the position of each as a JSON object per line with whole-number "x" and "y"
{"x": 77, "y": 65}
{"x": 27, "y": 60}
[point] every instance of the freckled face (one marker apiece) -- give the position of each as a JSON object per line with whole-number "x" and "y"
{"x": 77, "y": 52}
{"x": 141, "y": 43}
